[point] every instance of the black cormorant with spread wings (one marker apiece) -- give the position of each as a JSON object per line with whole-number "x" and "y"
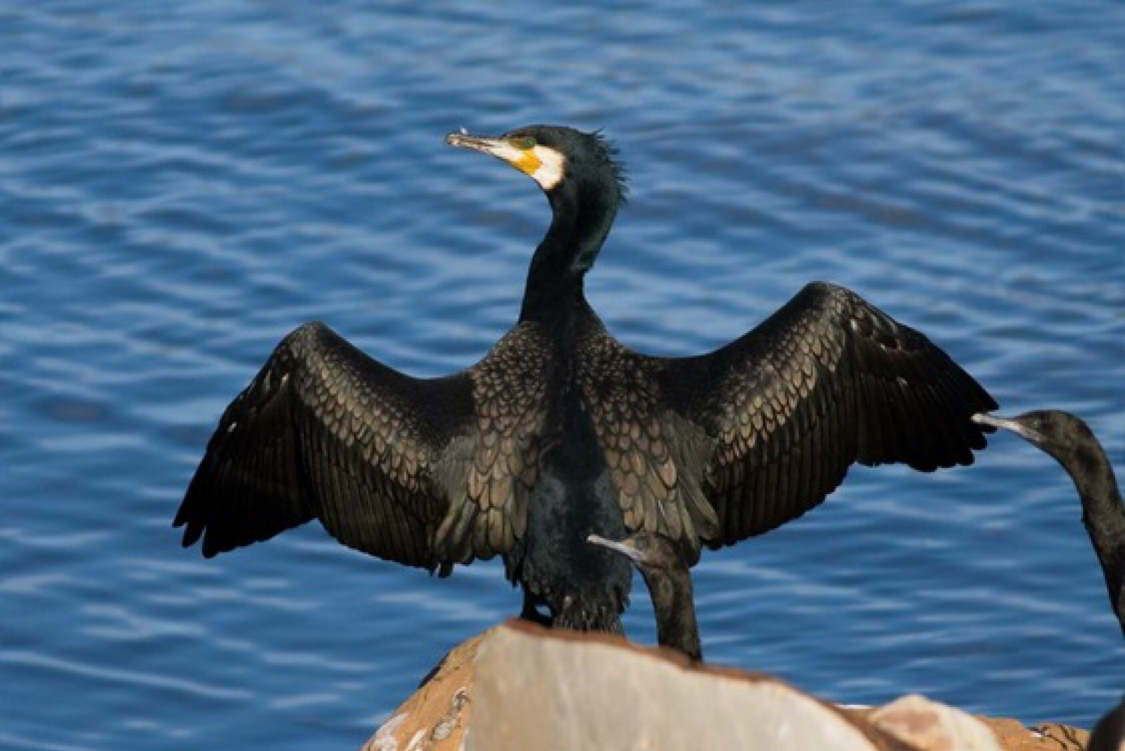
{"x": 561, "y": 431}
{"x": 1072, "y": 443}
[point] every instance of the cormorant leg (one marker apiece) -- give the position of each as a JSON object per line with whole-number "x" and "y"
{"x": 530, "y": 613}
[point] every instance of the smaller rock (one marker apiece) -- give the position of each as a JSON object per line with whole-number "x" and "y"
{"x": 932, "y": 726}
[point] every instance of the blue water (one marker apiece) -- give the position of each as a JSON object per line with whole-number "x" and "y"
{"x": 182, "y": 184}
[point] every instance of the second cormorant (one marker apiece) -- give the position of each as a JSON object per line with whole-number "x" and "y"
{"x": 669, "y": 585}
{"x": 561, "y": 432}
{"x": 1072, "y": 443}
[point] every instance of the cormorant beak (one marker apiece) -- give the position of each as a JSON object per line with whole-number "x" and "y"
{"x": 623, "y": 548}
{"x": 500, "y": 148}
{"x": 477, "y": 143}
{"x": 1006, "y": 423}
{"x": 544, "y": 165}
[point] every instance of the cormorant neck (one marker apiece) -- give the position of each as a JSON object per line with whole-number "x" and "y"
{"x": 1102, "y": 511}
{"x": 672, "y": 600}
{"x": 582, "y": 217}
{"x": 1093, "y": 477}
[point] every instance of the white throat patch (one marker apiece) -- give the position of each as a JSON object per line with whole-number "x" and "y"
{"x": 552, "y": 167}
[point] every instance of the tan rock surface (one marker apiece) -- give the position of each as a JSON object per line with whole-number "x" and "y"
{"x": 933, "y": 726}
{"x": 521, "y": 687}
{"x": 537, "y": 689}
{"x": 435, "y": 717}
{"x": 1014, "y": 736}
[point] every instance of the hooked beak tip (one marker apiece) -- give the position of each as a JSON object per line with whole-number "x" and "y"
{"x": 990, "y": 421}
{"x": 621, "y": 548}
{"x": 463, "y": 140}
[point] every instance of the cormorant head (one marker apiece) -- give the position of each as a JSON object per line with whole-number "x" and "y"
{"x": 555, "y": 156}
{"x": 1060, "y": 434}
{"x": 666, "y": 574}
{"x": 649, "y": 552}
{"x": 584, "y": 186}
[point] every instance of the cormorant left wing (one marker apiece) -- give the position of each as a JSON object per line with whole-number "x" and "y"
{"x": 828, "y": 380}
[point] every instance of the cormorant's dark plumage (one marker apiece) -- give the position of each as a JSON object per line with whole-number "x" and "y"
{"x": 669, "y": 584}
{"x": 1109, "y": 733}
{"x": 560, "y": 431}
{"x": 1074, "y": 445}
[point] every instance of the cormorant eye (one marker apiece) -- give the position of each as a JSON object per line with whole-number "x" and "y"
{"x": 523, "y": 142}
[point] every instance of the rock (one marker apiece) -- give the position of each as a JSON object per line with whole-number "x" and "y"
{"x": 553, "y": 689}
{"x": 434, "y": 718}
{"x": 932, "y": 726}
{"x": 1013, "y": 736}
{"x": 519, "y": 686}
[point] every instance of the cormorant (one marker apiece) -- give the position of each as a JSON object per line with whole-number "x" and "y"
{"x": 561, "y": 431}
{"x": 1109, "y": 733}
{"x": 669, "y": 584}
{"x": 1070, "y": 440}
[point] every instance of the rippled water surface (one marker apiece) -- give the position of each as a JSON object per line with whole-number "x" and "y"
{"x": 182, "y": 184}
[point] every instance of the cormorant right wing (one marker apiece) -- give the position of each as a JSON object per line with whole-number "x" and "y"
{"x": 826, "y": 381}
{"x": 410, "y": 470}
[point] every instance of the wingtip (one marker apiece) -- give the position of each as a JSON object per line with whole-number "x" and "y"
{"x": 181, "y": 515}
{"x": 210, "y": 549}
{"x": 191, "y": 534}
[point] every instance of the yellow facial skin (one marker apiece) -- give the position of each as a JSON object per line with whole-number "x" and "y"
{"x": 527, "y": 161}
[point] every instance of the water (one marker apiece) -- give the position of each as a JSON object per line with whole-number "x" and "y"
{"x": 182, "y": 185}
